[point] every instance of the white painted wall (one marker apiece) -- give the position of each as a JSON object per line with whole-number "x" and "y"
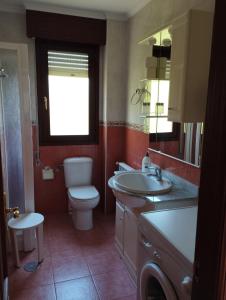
{"x": 112, "y": 107}
{"x": 123, "y": 61}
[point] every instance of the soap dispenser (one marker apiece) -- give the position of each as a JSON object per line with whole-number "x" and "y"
{"x": 146, "y": 162}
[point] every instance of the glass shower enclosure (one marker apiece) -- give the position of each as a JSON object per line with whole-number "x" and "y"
{"x": 16, "y": 131}
{"x": 11, "y": 139}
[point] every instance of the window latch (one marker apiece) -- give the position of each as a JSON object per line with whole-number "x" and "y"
{"x": 45, "y": 99}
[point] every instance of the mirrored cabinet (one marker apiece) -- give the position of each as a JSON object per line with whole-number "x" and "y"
{"x": 175, "y": 85}
{"x": 157, "y": 82}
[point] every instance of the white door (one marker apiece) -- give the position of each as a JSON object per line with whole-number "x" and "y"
{"x": 130, "y": 238}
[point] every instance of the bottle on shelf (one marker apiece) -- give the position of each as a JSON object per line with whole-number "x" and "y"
{"x": 146, "y": 162}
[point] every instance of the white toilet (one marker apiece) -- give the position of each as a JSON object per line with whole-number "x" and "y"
{"x": 83, "y": 196}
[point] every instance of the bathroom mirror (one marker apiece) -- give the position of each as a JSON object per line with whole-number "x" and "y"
{"x": 187, "y": 144}
{"x": 174, "y": 108}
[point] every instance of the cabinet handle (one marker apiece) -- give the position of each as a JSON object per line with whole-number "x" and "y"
{"x": 156, "y": 255}
{"x": 45, "y": 100}
{"x": 146, "y": 244}
{"x": 170, "y": 108}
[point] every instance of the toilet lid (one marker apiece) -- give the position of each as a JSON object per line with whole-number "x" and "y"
{"x": 83, "y": 192}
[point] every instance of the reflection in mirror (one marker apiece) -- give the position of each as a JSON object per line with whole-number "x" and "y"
{"x": 187, "y": 144}
{"x": 176, "y": 81}
{"x": 157, "y": 83}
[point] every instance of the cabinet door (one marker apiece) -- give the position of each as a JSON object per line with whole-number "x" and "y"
{"x": 130, "y": 238}
{"x": 190, "y": 57}
{"x": 119, "y": 225}
{"x": 197, "y": 71}
{"x": 178, "y": 69}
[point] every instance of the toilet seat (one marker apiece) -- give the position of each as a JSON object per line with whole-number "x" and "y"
{"x": 87, "y": 192}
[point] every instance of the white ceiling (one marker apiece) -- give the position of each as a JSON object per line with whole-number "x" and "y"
{"x": 123, "y": 8}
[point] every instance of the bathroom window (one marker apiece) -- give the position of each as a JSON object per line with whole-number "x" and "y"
{"x": 67, "y": 86}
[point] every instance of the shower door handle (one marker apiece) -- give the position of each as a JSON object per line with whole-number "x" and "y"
{"x": 45, "y": 100}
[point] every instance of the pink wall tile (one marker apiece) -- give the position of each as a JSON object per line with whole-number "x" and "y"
{"x": 51, "y": 196}
{"x": 136, "y": 145}
{"x": 116, "y": 143}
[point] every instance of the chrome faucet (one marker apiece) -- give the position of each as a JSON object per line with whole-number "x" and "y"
{"x": 158, "y": 172}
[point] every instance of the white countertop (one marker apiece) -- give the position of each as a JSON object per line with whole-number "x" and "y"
{"x": 177, "y": 226}
{"x": 180, "y": 191}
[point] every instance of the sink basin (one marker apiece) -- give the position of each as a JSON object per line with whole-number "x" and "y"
{"x": 142, "y": 183}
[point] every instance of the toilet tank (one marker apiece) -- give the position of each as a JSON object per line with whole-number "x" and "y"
{"x": 78, "y": 171}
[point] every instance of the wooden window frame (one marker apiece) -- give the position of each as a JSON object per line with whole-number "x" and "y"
{"x": 42, "y": 48}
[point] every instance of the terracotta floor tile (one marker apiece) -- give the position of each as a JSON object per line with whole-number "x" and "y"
{"x": 28, "y": 256}
{"x": 109, "y": 229}
{"x": 63, "y": 233}
{"x": 64, "y": 244}
{"x": 11, "y": 264}
{"x": 91, "y": 235}
{"x": 67, "y": 268}
{"x": 99, "y": 216}
{"x": 33, "y": 255}
{"x": 107, "y": 225}
{"x": 98, "y": 248}
{"x": 60, "y": 229}
{"x": 56, "y": 219}
{"x": 66, "y": 231}
{"x": 104, "y": 262}
{"x": 60, "y": 222}
{"x": 78, "y": 289}
{"x": 71, "y": 256}
{"x": 114, "y": 285}
{"x": 97, "y": 245}
{"x": 41, "y": 293}
{"x": 42, "y": 276}
{"x": 74, "y": 251}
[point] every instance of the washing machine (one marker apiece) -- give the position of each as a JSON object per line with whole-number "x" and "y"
{"x": 166, "y": 254}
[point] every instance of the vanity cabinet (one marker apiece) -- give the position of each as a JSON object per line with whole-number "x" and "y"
{"x": 119, "y": 226}
{"x": 126, "y": 237}
{"x": 190, "y": 58}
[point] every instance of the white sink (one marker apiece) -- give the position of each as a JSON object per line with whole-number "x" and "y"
{"x": 142, "y": 183}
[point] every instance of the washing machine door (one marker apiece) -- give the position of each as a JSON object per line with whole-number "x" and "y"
{"x": 154, "y": 284}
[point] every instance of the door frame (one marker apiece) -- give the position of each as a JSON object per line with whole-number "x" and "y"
{"x": 210, "y": 254}
{"x": 26, "y": 123}
{"x": 3, "y": 243}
